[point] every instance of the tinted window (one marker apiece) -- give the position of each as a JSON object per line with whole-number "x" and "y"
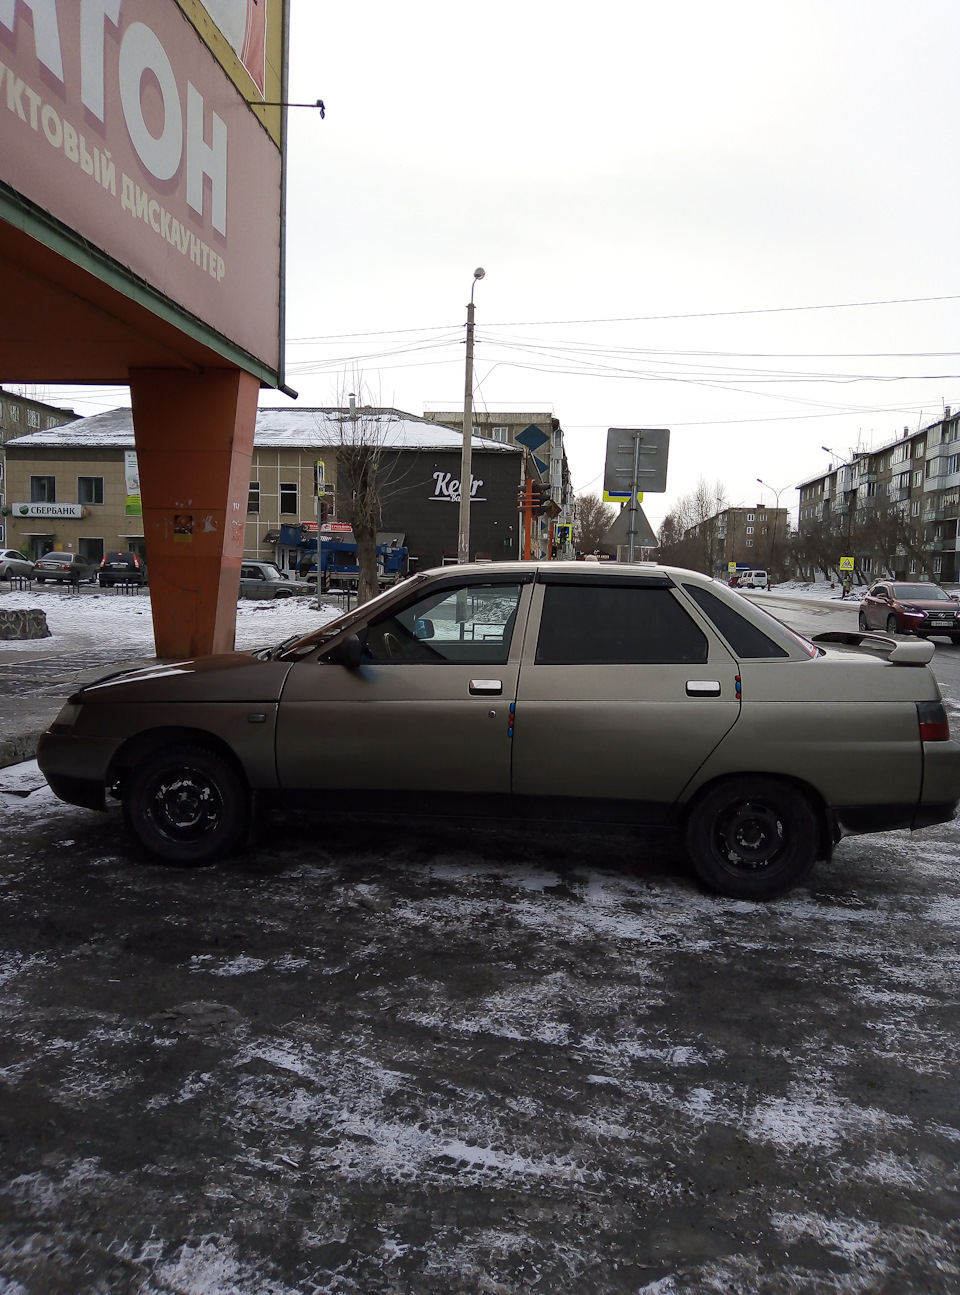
{"x": 744, "y": 637}
{"x": 472, "y": 625}
{"x": 616, "y": 625}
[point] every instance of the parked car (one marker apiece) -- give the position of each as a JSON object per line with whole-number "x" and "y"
{"x": 752, "y": 579}
{"x": 551, "y": 694}
{"x": 13, "y": 563}
{"x": 119, "y": 567}
{"x": 266, "y": 580}
{"x": 64, "y": 568}
{"x": 919, "y": 608}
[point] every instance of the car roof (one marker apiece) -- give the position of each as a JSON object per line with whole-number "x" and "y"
{"x": 589, "y": 570}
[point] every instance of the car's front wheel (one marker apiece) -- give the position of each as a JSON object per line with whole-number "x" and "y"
{"x": 752, "y": 837}
{"x": 891, "y": 624}
{"x": 862, "y": 621}
{"x": 187, "y": 804}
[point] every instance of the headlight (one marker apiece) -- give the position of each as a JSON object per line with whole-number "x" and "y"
{"x": 913, "y": 611}
{"x": 66, "y": 719}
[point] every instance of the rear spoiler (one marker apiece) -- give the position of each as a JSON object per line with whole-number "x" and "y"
{"x": 897, "y": 651}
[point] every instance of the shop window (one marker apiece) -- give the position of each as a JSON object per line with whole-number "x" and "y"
{"x": 43, "y": 490}
{"x": 253, "y": 497}
{"x": 288, "y": 499}
{"x": 89, "y": 490}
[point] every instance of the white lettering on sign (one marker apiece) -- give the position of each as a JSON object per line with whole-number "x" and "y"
{"x": 446, "y": 487}
{"x": 141, "y": 52}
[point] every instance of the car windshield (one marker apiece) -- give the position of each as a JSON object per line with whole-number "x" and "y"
{"x": 924, "y": 592}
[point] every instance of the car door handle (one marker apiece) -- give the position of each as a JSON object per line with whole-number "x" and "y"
{"x": 703, "y": 688}
{"x": 486, "y": 687}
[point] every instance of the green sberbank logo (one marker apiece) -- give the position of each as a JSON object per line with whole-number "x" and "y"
{"x": 24, "y": 509}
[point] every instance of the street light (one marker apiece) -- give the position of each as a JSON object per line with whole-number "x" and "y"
{"x": 776, "y": 518}
{"x": 463, "y": 545}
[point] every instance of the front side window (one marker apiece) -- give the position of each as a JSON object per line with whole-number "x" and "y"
{"x": 90, "y": 491}
{"x": 43, "y": 490}
{"x": 288, "y": 499}
{"x": 616, "y": 625}
{"x": 470, "y": 625}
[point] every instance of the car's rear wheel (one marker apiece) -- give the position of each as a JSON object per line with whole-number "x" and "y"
{"x": 891, "y": 624}
{"x": 862, "y": 621}
{"x": 752, "y": 837}
{"x": 187, "y": 804}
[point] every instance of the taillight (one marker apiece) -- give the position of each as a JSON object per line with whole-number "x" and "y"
{"x": 934, "y": 725}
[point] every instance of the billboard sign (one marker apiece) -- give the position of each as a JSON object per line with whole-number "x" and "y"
{"x": 117, "y": 119}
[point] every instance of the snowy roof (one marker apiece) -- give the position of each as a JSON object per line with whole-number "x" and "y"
{"x": 277, "y": 428}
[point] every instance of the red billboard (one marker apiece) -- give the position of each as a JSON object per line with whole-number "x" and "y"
{"x": 117, "y": 119}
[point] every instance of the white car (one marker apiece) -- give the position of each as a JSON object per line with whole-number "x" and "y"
{"x": 13, "y": 563}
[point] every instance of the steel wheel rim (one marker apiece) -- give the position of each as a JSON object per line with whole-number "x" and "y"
{"x": 749, "y": 836}
{"x": 185, "y": 806}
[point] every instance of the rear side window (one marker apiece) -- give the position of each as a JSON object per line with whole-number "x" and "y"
{"x": 616, "y": 625}
{"x": 742, "y": 635}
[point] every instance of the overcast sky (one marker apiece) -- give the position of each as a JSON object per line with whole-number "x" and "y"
{"x": 674, "y": 205}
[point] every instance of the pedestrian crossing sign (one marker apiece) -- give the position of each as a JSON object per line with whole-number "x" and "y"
{"x": 846, "y": 564}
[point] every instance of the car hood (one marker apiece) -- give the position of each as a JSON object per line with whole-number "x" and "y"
{"x": 930, "y": 604}
{"x": 227, "y": 676}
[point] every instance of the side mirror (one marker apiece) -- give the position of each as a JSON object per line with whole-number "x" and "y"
{"x": 423, "y": 629}
{"x": 348, "y": 653}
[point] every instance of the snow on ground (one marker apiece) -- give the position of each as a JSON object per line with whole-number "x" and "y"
{"x": 123, "y": 621}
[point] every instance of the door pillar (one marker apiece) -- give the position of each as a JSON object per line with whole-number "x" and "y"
{"x": 194, "y": 439}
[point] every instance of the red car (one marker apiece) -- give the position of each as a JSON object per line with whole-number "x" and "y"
{"x": 923, "y": 609}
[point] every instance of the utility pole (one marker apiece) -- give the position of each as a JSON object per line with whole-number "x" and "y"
{"x": 466, "y": 469}
{"x": 634, "y": 490}
{"x": 776, "y": 515}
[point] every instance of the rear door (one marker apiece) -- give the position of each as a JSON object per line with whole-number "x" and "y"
{"x": 623, "y": 693}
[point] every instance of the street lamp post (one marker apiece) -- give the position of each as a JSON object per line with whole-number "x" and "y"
{"x": 463, "y": 545}
{"x": 776, "y": 518}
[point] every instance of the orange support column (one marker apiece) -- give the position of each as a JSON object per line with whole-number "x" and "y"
{"x": 194, "y": 437}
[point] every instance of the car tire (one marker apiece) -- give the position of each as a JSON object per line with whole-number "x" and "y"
{"x": 955, "y": 638}
{"x": 862, "y": 622}
{"x": 187, "y": 804}
{"x": 284, "y": 593}
{"x": 40, "y": 579}
{"x": 752, "y": 837}
{"x": 891, "y": 625}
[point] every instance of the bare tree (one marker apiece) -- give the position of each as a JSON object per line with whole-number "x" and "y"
{"x": 361, "y": 437}
{"x": 592, "y": 519}
{"x": 689, "y": 535}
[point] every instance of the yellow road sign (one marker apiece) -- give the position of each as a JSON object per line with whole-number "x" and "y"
{"x": 846, "y": 564}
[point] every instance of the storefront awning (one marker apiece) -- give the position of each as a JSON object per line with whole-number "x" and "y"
{"x": 271, "y": 537}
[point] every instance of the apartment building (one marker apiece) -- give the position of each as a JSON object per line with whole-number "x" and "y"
{"x": 747, "y": 536}
{"x": 893, "y": 508}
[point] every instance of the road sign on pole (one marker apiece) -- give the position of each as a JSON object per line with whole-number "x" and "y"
{"x": 640, "y": 449}
{"x": 846, "y": 564}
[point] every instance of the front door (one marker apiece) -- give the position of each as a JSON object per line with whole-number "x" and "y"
{"x": 623, "y": 694}
{"x": 424, "y": 723}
